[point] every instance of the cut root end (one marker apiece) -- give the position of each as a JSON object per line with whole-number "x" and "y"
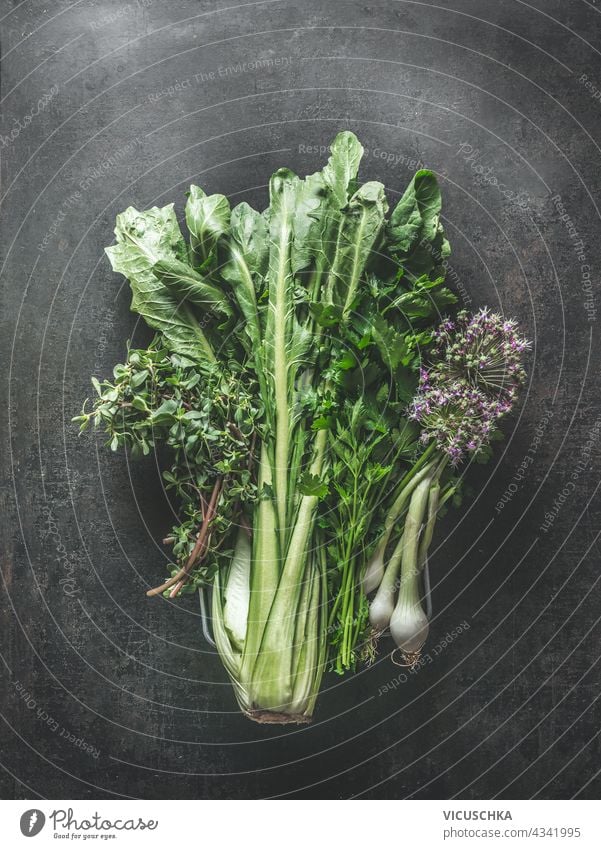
{"x": 268, "y": 717}
{"x": 408, "y": 660}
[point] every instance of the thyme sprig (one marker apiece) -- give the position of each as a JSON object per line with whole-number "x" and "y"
{"x": 208, "y": 418}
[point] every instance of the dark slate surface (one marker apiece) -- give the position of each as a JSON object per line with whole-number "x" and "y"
{"x": 107, "y": 694}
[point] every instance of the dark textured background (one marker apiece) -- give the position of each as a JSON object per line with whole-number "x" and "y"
{"x": 510, "y": 708}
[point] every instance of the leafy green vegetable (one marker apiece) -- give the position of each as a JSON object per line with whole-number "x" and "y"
{"x": 289, "y": 346}
{"x": 207, "y": 218}
{"x": 187, "y": 286}
{"x": 245, "y": 267}
{"x": 357, "y": 238}
{"x": 415, "y": 234}
{"x": 143, "y": 239}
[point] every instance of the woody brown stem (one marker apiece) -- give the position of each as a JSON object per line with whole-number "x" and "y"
{"x": 199, "y": 547}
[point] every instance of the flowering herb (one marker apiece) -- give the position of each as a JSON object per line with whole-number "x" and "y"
{"x": 475, "y": 371}
{"x": 483, "y": 348}
{"x": 290, "y": 344}
{"x": 471, "y": 380}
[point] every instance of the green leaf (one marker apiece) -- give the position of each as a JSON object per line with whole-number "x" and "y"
{"x": 266, "y": 493}
{"x": 345, "y": 362}
{"x": 340, "y": 174}
{"x": 312, "y": 485}
{"x": 415, "y": 235}
{"x": 183, "y": 362}
{"x": 322, "y": 423}
{"x": 138, "y": 403}
{"x": 391, "y": 344}
{"x": 426, "y": 299}
{"x": 326, "y": 315}
{"x": 406, "y": 383}
{"x": 245, "y": 266}
{"x": 321, "y": 198}
{"x": 192, "y": 381}
{"x": 359, "y": 234}
{"x": 138, "y": 378}
{"x": 144, "y": 238}
{"x": 207, "y": 218}
{"x": 165, "y": 414}
{"x": 310, "y": 207}
{"x": 417, "y": 213}
{"x": 186, "y": 285}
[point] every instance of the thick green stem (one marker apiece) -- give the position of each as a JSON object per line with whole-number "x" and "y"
{"x": 281, "y": 404}
{"x": 264, "y": 574}
{"x": 424, "y": 458}
{"x": 321, "y": 625}
{"x": 407, "y": 486}
{"x": 273, "y": 678}
{"x": 280, "y": 312}
{"x": 307, "y": 667}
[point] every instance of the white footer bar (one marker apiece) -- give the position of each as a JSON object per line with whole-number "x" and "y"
{"x": 301, "y": 824}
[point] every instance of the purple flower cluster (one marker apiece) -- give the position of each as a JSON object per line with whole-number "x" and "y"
{"x": 473, "y": 379}
{"x": 483, "y": 347}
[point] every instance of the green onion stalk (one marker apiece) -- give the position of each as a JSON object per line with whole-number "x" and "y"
{"x": 472, "y": 380}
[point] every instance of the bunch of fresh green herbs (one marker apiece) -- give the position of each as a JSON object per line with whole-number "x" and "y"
{"x": 288, "y": 348}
